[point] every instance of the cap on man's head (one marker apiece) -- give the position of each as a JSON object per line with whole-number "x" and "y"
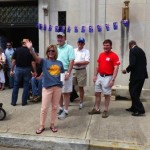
{"x": 81, "y": 40}
{"x": 60, "y": 34}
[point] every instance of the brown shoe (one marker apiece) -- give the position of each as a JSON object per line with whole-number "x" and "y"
{"x": 94, "y": 111}
{"x": 32, "y": 98}
{"x": 37, "y": 99}
{"x": 105, "y": 114}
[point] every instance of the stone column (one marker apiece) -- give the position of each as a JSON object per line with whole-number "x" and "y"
{"x": 43, "y": 19}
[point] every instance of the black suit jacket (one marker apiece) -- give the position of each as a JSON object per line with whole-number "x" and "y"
{"x": 137, "y": 64}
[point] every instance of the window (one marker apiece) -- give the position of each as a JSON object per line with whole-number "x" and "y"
{"x": 62, "y": 21}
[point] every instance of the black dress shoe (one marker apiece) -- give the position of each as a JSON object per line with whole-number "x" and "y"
{"x": 13, "y": 104}
{"x": 130, "y": 110}
{"x": 24, "y": 104}
{"x": 138, "y": 114}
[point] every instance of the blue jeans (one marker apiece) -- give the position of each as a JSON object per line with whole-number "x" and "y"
{"x": 10, "y": 79}
{"x": 36, "y": 86}
{"x": 21, "y": 74}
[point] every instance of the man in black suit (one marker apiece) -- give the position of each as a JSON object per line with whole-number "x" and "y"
{"x": 138, "y": 73}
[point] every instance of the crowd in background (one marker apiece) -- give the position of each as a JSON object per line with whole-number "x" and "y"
{"x": 52, "y": 79}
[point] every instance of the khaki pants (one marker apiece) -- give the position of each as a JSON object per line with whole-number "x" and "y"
{"x": 50, "y": 96}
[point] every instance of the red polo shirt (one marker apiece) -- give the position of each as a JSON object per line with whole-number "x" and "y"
{"x": 107, "y": 61}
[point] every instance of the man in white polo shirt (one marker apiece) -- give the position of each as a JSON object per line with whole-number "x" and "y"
{"x": 82, "y": 59}
{"x": 66, "y": 56}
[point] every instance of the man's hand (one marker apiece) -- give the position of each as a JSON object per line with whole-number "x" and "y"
{"x": 11, "y": 73}
{"x": 29, "y": 45}
{"x": 111, "y": 83}
{"x": 34, "y": 74}
{"x": 38, "y": 78}
{"x": 66, "y": 76}
{"x": 94, "y": 78}
{"x": 124, "y": 71}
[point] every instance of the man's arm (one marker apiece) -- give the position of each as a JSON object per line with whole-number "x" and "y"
{"x": 12, "y": 67}
{"x": 96, "y": 73}
{"x": 111, "y": 83}
{"x": 70, "y": 66}
{"x": 116, "y": 68}
{"x": 30, "y": 47}
{"x": 132, "y": 61}
{"x": 69, "y": 69}
{"x": 33, "y": 63}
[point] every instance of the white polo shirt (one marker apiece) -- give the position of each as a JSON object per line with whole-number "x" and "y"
{"x": 81, "y": 55}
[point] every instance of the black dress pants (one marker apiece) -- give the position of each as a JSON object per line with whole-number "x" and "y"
{"x": 135, "y": 88}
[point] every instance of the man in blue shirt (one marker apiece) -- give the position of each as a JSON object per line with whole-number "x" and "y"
{"x": 9, "y": 53}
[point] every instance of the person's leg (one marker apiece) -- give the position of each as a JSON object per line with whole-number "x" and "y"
{"x": 66, "y": 97}
{"x": 136, "y": 92}
{"x": 81, "y": 91}
{"x": 11, "y": 79}
{"x": 54, "y": 104}
{"x": 39, "y": 90}
{"x": 97, "y": 100}
{"x": 98, "y": 90}
{"x": 61, "y": 102}
{"x": 107, "y": 102}
{"x": 17, "y": 79}
{"x": 131, "y": 88}
{"x": 26, "y": 83}
{"x": 107, "y": 93}
{"x": 2, "y": 79}
{"x": 73, "y": 94}
{"x": 34, "y": 86}
{"x": 46, "y": 99}
{"x": 66, "y": 90}
{"x": 96, "y": 108}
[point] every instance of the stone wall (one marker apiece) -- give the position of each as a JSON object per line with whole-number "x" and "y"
{"x": 86, "y": 12}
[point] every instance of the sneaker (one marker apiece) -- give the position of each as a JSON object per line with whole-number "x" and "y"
{"x": 63, "y": 115}
{"x": 94, "y": 111}
{"x": 105, "y": 114}
{"x": 80, "y": 105}
{"x": 60, "y": 111}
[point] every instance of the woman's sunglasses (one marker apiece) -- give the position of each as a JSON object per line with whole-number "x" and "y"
{"x": 51, "y": 51}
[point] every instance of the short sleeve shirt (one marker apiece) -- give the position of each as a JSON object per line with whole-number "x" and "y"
{"x": 23, "y": 57}
{"x": 51, "y": 72}
{"x": 81, "y": 55}
{"x": 9, "y": 54}
{"x": 65, "y": 55}
{"x": 107, "y": 62}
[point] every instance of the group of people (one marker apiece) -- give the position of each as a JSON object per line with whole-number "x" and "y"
{"x": 5, "y": 65}
{"x": 64, "y": 67}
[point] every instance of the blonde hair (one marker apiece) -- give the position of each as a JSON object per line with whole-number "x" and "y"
{"x": 55, "y": 48}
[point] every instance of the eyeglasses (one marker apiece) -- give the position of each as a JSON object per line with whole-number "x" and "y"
{"x": 8, "y": 45}
{"x": 51, "y": 51}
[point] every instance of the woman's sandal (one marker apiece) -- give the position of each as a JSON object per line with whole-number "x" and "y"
{"x": 53, "y": 129}
{"x": 39, "y": 131}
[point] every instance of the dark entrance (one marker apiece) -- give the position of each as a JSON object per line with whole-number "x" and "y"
{"x": 17, "y": 21}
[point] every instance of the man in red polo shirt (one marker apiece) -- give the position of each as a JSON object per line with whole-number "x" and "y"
{"x": 107, "y": 70}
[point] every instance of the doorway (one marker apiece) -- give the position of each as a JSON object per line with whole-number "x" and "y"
{"x": 18, "y": 20}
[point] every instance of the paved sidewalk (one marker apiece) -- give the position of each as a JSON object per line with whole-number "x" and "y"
{"x": 78, "y": 131}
